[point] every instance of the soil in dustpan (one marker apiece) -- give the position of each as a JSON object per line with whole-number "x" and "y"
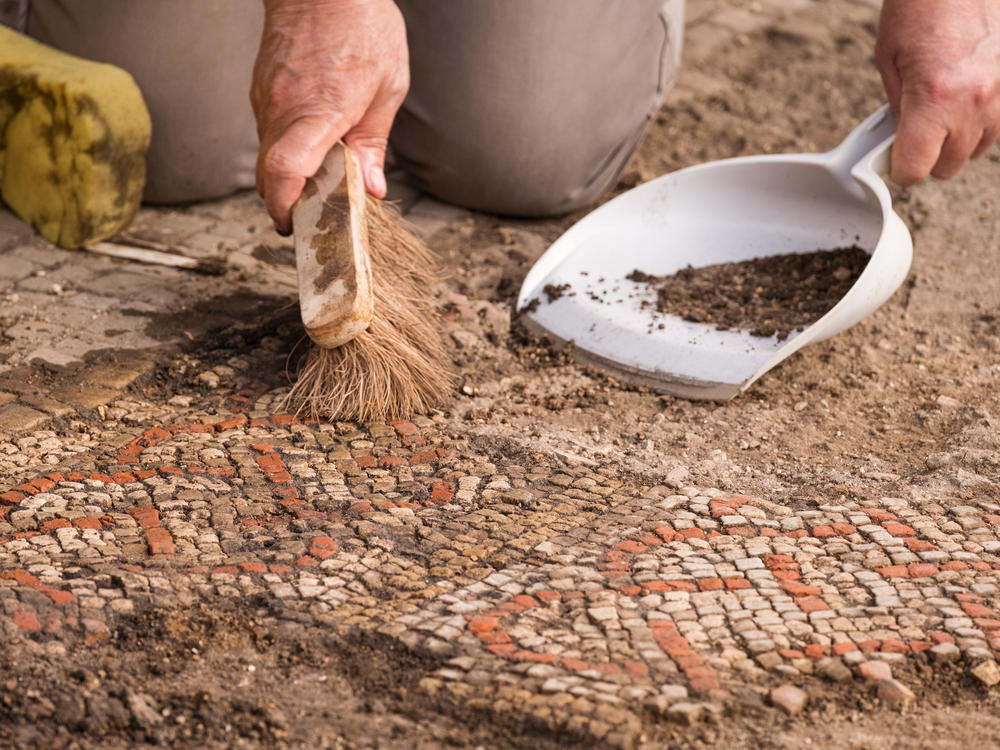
{"x": 767, "y": 296}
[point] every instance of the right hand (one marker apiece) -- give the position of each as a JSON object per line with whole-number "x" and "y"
{"x": 326, "y": 70}
{"x": 940, "y": 61}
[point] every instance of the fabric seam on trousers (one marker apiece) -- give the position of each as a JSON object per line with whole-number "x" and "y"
{"x": 23, "y": 10}
{"x": 633, "y": 142}
{"x": 660, "y": 83}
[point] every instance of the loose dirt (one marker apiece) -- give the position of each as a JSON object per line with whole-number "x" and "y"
{"x": 890, "y": 407}
{"x": 225, "y": 677}
{"x": 904, "y": 404}
{"x": 770, "y": 296}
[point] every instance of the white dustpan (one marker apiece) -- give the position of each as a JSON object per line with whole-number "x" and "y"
{"x": 724, "y": 211}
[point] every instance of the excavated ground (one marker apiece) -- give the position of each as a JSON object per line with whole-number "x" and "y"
{"x": 552, "y": 558}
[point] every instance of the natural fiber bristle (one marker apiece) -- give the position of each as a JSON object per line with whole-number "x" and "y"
{"x": 399, "y": 366}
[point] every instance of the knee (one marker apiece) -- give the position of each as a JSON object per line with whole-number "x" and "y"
{"x": 528, "y": 108}
{"x": 518, "y": 169}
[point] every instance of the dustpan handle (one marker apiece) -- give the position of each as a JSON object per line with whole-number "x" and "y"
{"x": 870, "y": 142}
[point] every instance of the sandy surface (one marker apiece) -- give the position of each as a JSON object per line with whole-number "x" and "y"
{"x": 902, "y": 403}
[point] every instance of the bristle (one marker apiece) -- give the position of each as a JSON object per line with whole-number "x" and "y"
{"x": 399, "y": 366}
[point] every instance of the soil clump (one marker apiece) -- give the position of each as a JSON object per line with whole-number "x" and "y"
{"x": 768, "y": 296}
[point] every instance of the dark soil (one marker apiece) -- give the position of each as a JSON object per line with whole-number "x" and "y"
{"x": 213, "y": 677}
{"x": 556, "y": 291}
{"x": 765, "y": 296}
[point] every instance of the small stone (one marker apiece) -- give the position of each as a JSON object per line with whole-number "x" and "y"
{"x": 602, "y": 614}
{"x": 875, "y": 671}
{"x": 944, "y": 653}
{"x": 895, "y": 694}
{"x": 430, "y": 686}
{"x": 555, "y": 685}
{"x": 209, "y": 378}
{"x": 677, "y": 476}
{"x": 833, "y": 669}
{"x": 685, "y": 713}
{"x": 145, "y": 715}
{"x": 465, "y": 339}
{"x": 674, "y": 693}
{"x": 769, "y": 659}
{"x": 789, "y": 699}
{"x": 853, "y": 658}
{"x": 890, "y": 657}
{"x": 987, "y": 673}
{"x": 974, "y": 654}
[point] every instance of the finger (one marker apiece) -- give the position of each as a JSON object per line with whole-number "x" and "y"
{"x": 919, "y": 140}
{"x": 957, "y": 150}
{"x": 295, "y": 155}
{"x": 988, "y": 139}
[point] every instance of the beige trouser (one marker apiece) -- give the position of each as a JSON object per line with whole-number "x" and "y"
{"x": 523, "y": 107}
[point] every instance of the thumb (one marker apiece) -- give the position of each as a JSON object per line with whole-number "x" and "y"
{"x": 371, "y": 154}
{"x": 282, "y": 168}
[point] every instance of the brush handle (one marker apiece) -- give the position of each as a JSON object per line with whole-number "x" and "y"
{"x": 331, "y": 251}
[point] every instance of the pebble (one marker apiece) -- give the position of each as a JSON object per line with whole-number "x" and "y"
{"x": 465, "y": 339}
{"x": 875, "y": 671}
{"x": 143, "y": 712}
{"x": 987, "y": 673}
{"x": 209, "y": 379}
{"x": 789, "y": 699}
{"x": 944, "y": 653}
{"x": 685, "y": 714}
{"x": 895, "y": 694}
{"x": 834, "y": 670}
{"x": 674, "y": 693}
{"x": 770, "y": 659}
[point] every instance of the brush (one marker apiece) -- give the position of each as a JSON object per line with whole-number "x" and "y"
{"x": 365, "y": 296}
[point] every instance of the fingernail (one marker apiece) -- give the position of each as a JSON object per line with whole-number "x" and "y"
{"x": 376, "y": 178}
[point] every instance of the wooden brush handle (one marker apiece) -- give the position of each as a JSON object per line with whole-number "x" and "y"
{"x": 331, "y": 251}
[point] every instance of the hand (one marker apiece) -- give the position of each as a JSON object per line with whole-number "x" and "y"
{"x": 940, "y": 62}
{"x": 326, "y": 70}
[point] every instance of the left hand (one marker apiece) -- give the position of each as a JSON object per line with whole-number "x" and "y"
{"x": 940, "y": 62}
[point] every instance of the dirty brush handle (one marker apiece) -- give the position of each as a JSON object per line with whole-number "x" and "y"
{"x": 331, "y": 251}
